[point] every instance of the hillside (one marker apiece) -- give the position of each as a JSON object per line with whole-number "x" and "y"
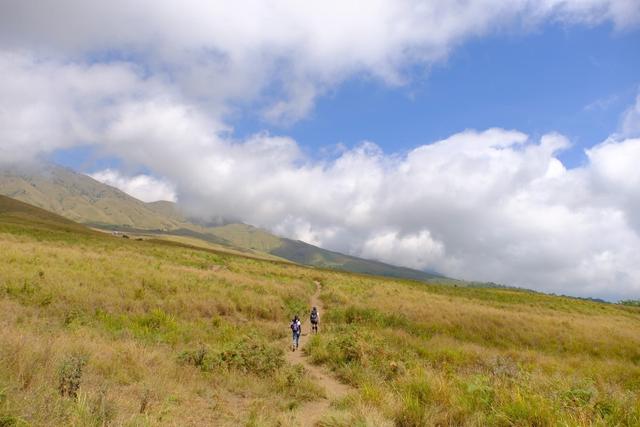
{"x": 19, "y": 214}
{"x": 104, "y": 331}
{"x": 81, "y": 198}
{"x": 246, "y": 236}
{"x": 85, "y": 200}
{"x": 304, "y": 253}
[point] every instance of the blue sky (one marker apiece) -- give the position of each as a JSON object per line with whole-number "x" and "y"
{"x": 573, "y": 80}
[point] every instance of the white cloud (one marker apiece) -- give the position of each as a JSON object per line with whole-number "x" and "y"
{"x": 631, "y": 120}
{"x": 142, "y": 187}
{"x": 153, "y": 87}
{"x": 219, "y": 51}
{"x": 416, "y": 250}
{"x": 490, "y": 205}
{"x": 50, "y": 105}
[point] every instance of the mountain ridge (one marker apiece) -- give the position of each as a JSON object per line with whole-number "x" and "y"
{"x": 82, "y": 199}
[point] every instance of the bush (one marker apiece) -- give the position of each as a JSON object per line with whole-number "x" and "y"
{"x": 250, "y": 356}
{"x": 200, "y": 358}
{"x": 348, "y": 347}
{"x": 247, "y": 356}
{"x": 70, "y": 375}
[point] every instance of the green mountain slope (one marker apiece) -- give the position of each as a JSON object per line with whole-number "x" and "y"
{"x": 247, "y": 236}
{"x": 250, "y": 237}
{"x": 82, "y": 199}
{"x": 17, "y": 213}
{"x": 304, "y": 253}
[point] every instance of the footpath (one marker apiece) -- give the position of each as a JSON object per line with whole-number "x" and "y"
{"x": 311, "y": 412}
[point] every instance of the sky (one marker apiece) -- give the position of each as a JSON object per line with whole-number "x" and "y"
{"x": 486, "y": 140}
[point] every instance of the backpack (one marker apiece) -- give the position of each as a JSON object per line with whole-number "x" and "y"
{"x": 314, "y": 316}
{"x": 295, "y": 326}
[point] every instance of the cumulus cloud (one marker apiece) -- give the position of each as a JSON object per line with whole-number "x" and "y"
{"x": 154, "y": 88}
{"x": 47, "y": 105}
{"x": 142, "y": 187}
{"x": 416, "y": 250}
{"x": 216, "y": 52}
{"x": 489, "y": 205}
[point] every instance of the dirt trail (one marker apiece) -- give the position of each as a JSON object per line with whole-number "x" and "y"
{"x": 310, "y": 413}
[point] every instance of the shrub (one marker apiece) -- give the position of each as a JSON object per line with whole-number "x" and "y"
{"x": 348, "y": 346}
{"x": 70, "y": 375}
{"x": 251, "y": 356}
{"x": 199, "y": 358}
{"x": 248, "y": 356}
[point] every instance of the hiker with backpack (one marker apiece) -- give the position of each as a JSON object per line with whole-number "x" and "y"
{"x": 315, "y": 319}
{"x": 296, "y": 330}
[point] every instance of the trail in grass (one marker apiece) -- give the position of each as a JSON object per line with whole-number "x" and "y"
{"x": 311, "y": 412}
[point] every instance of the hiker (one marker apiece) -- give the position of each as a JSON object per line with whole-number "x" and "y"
{"x": 296, "y": 329}
{"x": 315, "y": 319}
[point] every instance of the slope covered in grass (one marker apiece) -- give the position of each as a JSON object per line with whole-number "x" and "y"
{"x": 436, "y": 355}
{"x": 19, "y": 216}
{"x": 98, "y": 330}
{"x": 81, "y": 198}
{"x": 304, "y": 253}
{"x": 153, "y": 334}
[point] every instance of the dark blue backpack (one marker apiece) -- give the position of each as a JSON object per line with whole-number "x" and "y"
{"x": 295, "y": 327}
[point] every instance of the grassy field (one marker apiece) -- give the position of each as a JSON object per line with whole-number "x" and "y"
{"x": 435, "y": 355}
{"x": 141, "y": 333}
{"x": 97, "y": 330}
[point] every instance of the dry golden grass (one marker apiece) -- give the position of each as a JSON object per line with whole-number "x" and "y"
{"x": 159, "y": 334}
{"x": 136, "y": 311}
{"x": 428, "y": 355}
